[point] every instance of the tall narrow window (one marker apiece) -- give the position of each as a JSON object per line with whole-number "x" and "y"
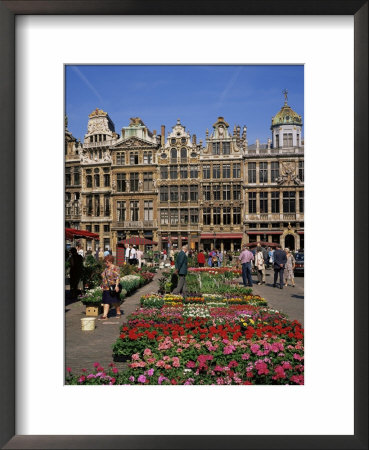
{"x": 89, "y": 205}
{"x": 173, "y": 216}
{"x": 252, "y": 202}
{"x": 206, "y": 192}
{"x": 97, "y": 205}
{"x": 298, "y": 140}
{"x": 263, "y": 202}
{"x": 133, "y": 158}
{"x": 184, "y": 216}
{"x": 121, "y": 159}
{"x": 164, "y": 173}
{"x": 164, "y": 217}
{"x": 134, "y": 210}
{"x": 216, "y": 148}
{"x": 77, "y": 179}
{"x": 252, "y": 172}
{"x": 226, "y": 192}
{"x": 216, "y": 171}
{"x": 236, "y": 192}
{"x": 194, "y": 215}
{"x": 147, "y": 157}
{"x": 236, "y": 170}
{"x": 289, "y": 205}
{"x": 89, "y": 181}
{"x": 173, "y": 154}
{"x": 263, "y": 172}
{"x": 206, "y": 171}
{"x": 183, "y": 172}
{"x": 106, "y": 180}
{"x": 275, "y": 202}
{"x": 274, "y": 171}
{"x": 216, "y": 215}
{"x": 226, "y": 171}
{"x": 148, "y": 210}
{"x": 226, "y": 215}
{"x": 163, "y": 193}
{"x": 106, "y": 205}
{"x": 148, "y": 184}
{"x": 277, "y": 141}
{"x": 183, "y": 154}
{"x": 216, "y": 192}
{"x": 97, "y": 180}
{"x": 301, "y": 170}
{"x": 194, "y": 171}
{"x": 121, "y": 182}
{"x": 194, "y": 193}
{"x": 173, "y": 172}
{"x": 184, "y": 193}
{"x": 134, "y": 182}
{"x": 226, "y": 148}
{"x": 301, "y": 201}
{"x": 206, "y": 215}
{"x": 236, "y": 215}
{"x": 174, "y": 193}
{"x": 287, "y": 140}
{"x": 68, "y": 176}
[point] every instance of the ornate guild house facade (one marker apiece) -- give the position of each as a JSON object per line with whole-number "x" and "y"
{"x": 174, "y": 190}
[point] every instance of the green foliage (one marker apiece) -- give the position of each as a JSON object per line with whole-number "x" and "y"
{"x": 91, "y": 272}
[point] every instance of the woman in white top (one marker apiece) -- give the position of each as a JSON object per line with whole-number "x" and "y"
{"x": 259, "y": 264}
{"x": 132, "y": 255}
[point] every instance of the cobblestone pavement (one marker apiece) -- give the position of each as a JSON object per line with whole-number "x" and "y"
{"x": 83, "y": 348}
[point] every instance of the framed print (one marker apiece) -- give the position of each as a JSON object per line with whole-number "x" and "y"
{"x": 334, "y": 400}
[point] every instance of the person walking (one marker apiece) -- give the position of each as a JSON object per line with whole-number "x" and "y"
{"x": 245, "y": 258}
{"x": 139, "y": 255}
{"x": 271, "y": 256}
{"x": 220, "y": 258}
{"x": 201, "y": 258}
{"x": 164, "y": 255}
{"x": 126, "y": 253}
{"x": 181, "y": 270}
{"x": 132, "y": 255}
{"x": 260, "y": 265}
{"x": 290, "y": 266}
{"x": 110, "y": 279}
{"x": 264, "y": 254}
{"x": 101, "y": 254}
{"x": 280, "y": 260}
{"x": 80, "y": 250}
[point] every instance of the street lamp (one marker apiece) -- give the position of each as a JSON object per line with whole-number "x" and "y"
{"x": 214, "y": 240}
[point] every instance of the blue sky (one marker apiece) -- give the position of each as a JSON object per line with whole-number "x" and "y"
{"x": 197, "y": 95}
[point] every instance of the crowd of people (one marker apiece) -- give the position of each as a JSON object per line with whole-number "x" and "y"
{"x": 282, "y": 261}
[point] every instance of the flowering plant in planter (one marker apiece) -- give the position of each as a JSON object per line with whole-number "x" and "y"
{"x": 92, "y": 297}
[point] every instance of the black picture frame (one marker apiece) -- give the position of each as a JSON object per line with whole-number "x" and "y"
{"x": 8, "y": 10}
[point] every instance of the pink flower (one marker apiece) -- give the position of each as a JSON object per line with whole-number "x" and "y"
{"x": 81, "y": 379}
{"x": 228, "y": 349}
{"x": 286, "y": 365}
{"x": 279, "y": 373}
{"x": 147, "y": 352}
{"x": 298, "y": 357}
{"x": 96, "y": 364}
{"x": 131, "y": 378}
{"x": 141, "y": 379}
{"x": 245, "y": 356}
{"x": 261, "y": 367}
{"x": 135, "y": 356}
{"x": 298, "y": 379}
{"x": 150, "y": 372}
{"x": 114, "y": 370}
{"x": 176, "y": 362}
{"x": 255, "y": 348}
{"x": 233, "y": 363}
{"x": 69, "y": 369}
{"x": 220, "y": 380}
{"x": 190, "y": 364}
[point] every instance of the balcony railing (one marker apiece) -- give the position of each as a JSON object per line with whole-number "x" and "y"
{"x": 135, "y": 224}
{"x": 97, "y": 144}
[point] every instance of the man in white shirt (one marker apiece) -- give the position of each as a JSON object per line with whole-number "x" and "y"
{"x": 132, "y": 255}
{"x": 80, "y": 250}
{"x": 127, "y": 251}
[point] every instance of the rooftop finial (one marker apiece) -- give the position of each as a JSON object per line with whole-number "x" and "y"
{"x": 285, "y": 92}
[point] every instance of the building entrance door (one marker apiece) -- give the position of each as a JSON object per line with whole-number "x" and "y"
{"x": 289, "y": 242}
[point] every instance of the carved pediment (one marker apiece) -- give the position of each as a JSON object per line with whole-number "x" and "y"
{"x": 288, "y": 174}
{"x": 134, "y": 142}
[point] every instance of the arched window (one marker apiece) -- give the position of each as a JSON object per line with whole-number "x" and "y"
{"x": 173, "y": 153}
{"x": 183, "y": 153}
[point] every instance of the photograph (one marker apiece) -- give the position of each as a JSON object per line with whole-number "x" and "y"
{"x": 184, "y": 224}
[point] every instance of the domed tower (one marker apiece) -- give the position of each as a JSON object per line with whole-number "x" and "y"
{"x": 286, "y": 127}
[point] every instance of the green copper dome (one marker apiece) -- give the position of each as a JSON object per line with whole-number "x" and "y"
{"x": 286, "y": 116}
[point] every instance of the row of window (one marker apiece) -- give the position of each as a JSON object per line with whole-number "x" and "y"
{"x": 179, "y": 193}
{"x": 288, "y": 203}
{"x": 97, "y": 228}
{"x": 172, "y": 172}
{"x": 224, "y": 169}
{"x": 287, "y": 140}
{"x": 181, "y": 216}
{"x": 74, "y": 173}
{"x": 216, "y": 216}
{"x": 221, "y": 148}
{"x": 134, "y": 211}
{"x": 264, "y": 171}
{"x": 134, "y": 158}
{"x": 94, "y": 207}
{"x": 224, "y": 192}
